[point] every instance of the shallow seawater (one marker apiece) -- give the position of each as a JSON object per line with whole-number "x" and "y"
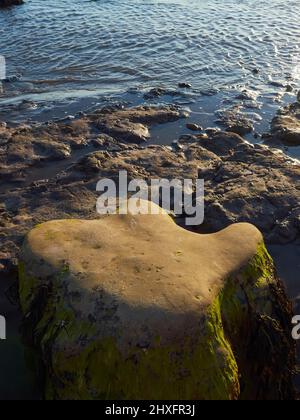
{"x": 78, "y": 54}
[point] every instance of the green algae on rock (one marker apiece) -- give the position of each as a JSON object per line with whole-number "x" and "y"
{"x": 135, "y": 307}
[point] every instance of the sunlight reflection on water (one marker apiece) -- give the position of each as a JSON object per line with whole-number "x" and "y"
{"x": 118, "y": 44}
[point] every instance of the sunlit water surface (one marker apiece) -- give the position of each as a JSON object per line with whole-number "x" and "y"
{"x": 73, "y": 55}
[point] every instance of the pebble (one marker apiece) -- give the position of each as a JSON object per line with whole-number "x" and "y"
{"x": 184, "y": 114}
{"x": 184, "y": 85}
{"x": 194, "y": 127}
{"x": 210, "y": 131}
{"x": 176, "y": 146}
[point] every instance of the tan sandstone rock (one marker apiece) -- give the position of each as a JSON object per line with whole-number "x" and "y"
{"x": 135, "y": 307}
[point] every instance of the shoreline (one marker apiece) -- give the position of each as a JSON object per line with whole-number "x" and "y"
{"x": 246, "y": 109}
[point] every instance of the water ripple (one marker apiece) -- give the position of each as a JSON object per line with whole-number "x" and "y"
{"x": 122, "y": 43}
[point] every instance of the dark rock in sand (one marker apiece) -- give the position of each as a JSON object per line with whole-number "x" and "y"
{"x": 243, "y": 183}
{"x": 26, "y": 146}
{"x": 184, "y": 85}
{"x": 194, "y": 127}
{"x": 26, "y": 105}
{"x": 7, "y": 3}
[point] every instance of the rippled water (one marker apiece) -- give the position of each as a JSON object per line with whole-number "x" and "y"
{"x": 111, "y": 45}
{"x": 72, "y": 54}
